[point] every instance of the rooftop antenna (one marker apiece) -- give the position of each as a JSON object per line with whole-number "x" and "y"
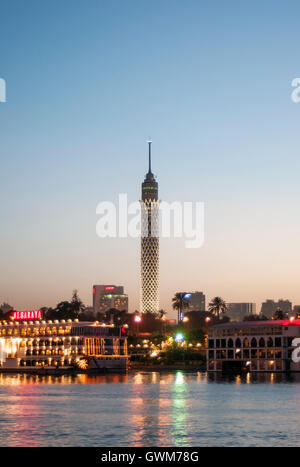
{"x": 149, "y": 144}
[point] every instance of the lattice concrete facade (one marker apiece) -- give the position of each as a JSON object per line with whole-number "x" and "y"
{"x": 150, "y": 265}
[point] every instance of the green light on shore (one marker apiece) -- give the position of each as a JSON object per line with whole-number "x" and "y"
{"x": 179, "y": 338}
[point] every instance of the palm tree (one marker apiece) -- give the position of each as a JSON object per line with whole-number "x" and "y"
{"x": 179, "y": 303}
{"x": 217, "y": 306}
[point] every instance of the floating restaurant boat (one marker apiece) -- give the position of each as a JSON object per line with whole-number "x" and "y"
{"x": 255, "y": 346}
{"x": 59, "y": 346}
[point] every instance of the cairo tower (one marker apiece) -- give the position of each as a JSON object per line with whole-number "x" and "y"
{"x": 150, "y": 242}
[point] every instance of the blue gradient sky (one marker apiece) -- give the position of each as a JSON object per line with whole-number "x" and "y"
{"x": 88, "y": 82}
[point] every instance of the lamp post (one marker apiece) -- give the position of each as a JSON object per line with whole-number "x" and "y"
{"x": 137, "y": 320}
{"x": 183, "y": 297}
{"x": 163, "y": 319}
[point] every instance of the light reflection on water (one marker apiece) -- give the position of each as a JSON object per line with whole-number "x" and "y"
{"x": 149, "y": 409}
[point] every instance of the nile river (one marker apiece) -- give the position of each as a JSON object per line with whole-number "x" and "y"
{"x": 149, "y": 409}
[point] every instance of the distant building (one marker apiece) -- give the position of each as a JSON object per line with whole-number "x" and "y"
{"x": 238, "y": 311}
{"x": 296, "y": 310}
{"x": 285, "y": 305}
{"x": 269, "y": 307}
{"x": 106, "y": 297}
{"x": 196, "y": 301}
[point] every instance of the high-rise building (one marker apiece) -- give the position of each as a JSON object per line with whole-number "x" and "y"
{"x": 149, "y": 242}
{"x": 106, "y": 297}
{"x": 238, "y": 311}
{"x": 296, "y": 310}
{"x": 269, "y": 307}
{"x": 285, "y": 306}
{"x": 196, "y": 301}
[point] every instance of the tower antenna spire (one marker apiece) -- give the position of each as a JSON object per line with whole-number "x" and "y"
{"x": 149, "y": 144}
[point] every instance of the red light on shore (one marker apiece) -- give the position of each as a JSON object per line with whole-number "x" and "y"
{"x": 20, "y": 315}
{"x": 94, "y": 291}
{"x": 292, "y": 321}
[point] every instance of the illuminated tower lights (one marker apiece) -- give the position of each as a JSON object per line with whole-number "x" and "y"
{"x": 150, "y": 243}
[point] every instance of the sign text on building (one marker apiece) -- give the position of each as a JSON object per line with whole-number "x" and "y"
{"x": 19, "y": 315}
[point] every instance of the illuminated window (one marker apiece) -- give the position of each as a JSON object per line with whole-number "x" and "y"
{"x": 246, "y": 343}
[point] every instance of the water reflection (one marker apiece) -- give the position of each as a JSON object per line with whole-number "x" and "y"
{"x": 158, "y": 401}
{"x": 249, "y": 378}
{"x": 32, "y": 379}
{"x": 145, "y": 409}
{"x": 177, "y": 408}
{"x": 142, "y": 378}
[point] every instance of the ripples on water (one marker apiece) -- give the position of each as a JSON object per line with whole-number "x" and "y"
{"x": 149, "y": 409}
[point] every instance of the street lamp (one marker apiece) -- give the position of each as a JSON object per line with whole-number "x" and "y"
{"x": 163, "y": 320}
{"x": 137, "y": 320}
{"x": 183, "y": 297}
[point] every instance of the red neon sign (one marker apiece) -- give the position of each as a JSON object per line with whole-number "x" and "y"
{"x": 109, "y": 288}
{"x": 20, "y": 315}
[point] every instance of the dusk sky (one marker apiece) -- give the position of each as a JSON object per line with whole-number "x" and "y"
{"x": 88, "y": 83}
